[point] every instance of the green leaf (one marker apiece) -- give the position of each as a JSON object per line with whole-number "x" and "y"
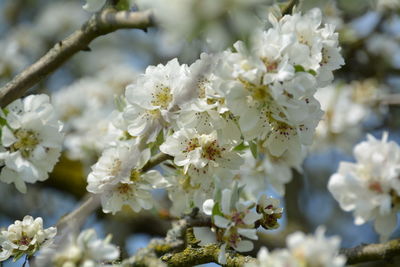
{"x": 241, "y": 147}
{"x": 299, "y": 68}
{"x": 217, "y": 210}
{"x": 154, "y": 147}
{"x": 253, "y": 149}
{"x": 18, "y": 255}
{"x": 312, "y": 72}
{"x": 3, "y": 121}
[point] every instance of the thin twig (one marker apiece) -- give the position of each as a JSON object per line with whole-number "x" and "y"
{"x": 155, "y": 160}
{"x": 288, "y": 9}
{"x": 107, "y": 21}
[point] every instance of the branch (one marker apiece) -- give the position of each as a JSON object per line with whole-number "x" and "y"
{"x": 193, "y": 256}
{"x": 288, "y": 9}
{"x": 372, "y": 252}
{"x": 107, "y": 21}
{"x": 391, "y": 99}
{"x": 155, "y": 160}
{"x": 78, "y": 215}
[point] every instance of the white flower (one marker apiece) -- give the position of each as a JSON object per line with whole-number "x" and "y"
{"x": 153, "y": 98}
{"x": 85, "y": 250}
{"x": 118, "y": 177}
{"x": 206, "y": 110}
{"x": 316, "y": 250}
{"x": 303, "y": 250}
{"x": 201, "y": 155}
{"x": 266, "y": 171}
{"x": 53, "y": 23}
{"x": 11, "y": 59}
{"x": 31, "y": 139}
{"x": 237, "y": 221}
{"x": 183, "y": 195}
{"x": 269, "y": 208}
{"x": 370, "y": 186}
{"x": 270, "y": 86}
{"x": 341, "y": 124}
{"x": 24, "y": 237}
{"x": 276, "y": 258}
{"x": 87, "y": 107}
{"x": 278, "y": 170}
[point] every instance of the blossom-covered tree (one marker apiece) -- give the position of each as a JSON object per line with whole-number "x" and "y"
{"x": 209, "y": 128}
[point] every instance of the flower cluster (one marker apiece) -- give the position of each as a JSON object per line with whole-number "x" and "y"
{"x": 370, "y": 187}
{"x": 210, "y": 115}
{"x": 84, "y": 250}
{"x": 303, "y": 250}
{"x": 235, "y": 222}
{"x": 86, "y": 107}
{"x": 119, "y": 178}
{"x": 31, "y": 141}
{"x": 346, "y": 108}
{"x": 24, "y": 238}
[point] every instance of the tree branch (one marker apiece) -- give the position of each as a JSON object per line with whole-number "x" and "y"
{"x": 155, "y": 160}
{"x": 288, "y": 9}
{"x": 372, "y": 252}
{"x": 192, "y": 256}
{"x": 107, "y": 21}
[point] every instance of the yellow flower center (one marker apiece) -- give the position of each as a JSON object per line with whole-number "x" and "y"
{"x": 26, "y": 143}
{"x": 124, "y": 189}
{"x": 162, "y": 96}
{"x": 135, "y": 175}
{"x": 258, "y": 92}
{"x": 212, "y": 150}
{"x": 192, "y": 144}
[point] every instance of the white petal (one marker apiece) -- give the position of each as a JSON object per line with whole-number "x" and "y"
{"x": 244, "y": 245}
{"x": 208, "y": 206}
{"x": 221, "y": 221}
{"x": 205, "y": 235}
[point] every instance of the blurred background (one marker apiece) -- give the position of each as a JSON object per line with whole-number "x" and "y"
{"x": 364, "y": 98}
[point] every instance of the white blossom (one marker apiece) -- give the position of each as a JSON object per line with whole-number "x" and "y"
{"x": 270, "y": 86}
{"x": 24, "y": 238}
{"x": 153, "y": 98}
{"x": 303, "y": 250}
{"x": 369, "y": 187}
{"x": 118, "y": 177}
{"x": 87, "y": 109}
{"x": 32, "y": 138}
{"x": 236, "y": 219}
{"x": 183, "y": 194}
{"x": 341, "y": 124}
{"x": 11, "y": 59}
{"x": 270, "y": 210}
{"x": 84, "y": 250}
{"x": 54, "y": 23}
{"x": 202, "y": 156}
